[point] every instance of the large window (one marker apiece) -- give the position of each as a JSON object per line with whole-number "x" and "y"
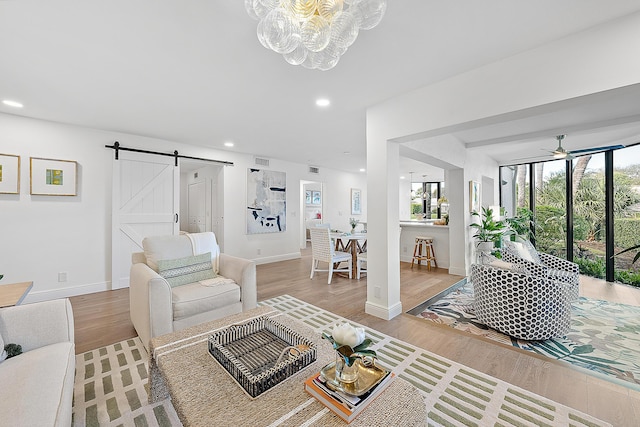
{"x": 589, "y": 215}
{"x": 626, "y": 185}
{"x": 575, "y": 202}
{"x": 427, "y": 200}
{"x": 550, "y": 214}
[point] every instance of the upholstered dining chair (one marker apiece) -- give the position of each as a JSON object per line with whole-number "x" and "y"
{"x": 322, "y": 250}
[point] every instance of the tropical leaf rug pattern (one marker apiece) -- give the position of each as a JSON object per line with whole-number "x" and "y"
{"x": 604, "y": 336}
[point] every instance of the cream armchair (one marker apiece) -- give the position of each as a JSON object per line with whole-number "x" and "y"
{"x": 160, "y": 303}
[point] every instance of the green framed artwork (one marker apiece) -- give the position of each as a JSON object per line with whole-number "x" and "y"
{"x": 53, "y": 177}
{"x": 9, "y": 174}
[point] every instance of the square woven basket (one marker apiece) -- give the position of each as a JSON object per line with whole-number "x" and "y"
{"x": 250, "y": 351}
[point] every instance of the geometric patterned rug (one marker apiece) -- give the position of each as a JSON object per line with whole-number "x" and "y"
{"x": 111, "y": 389}
{"x": 604, "y": 337}
{"x": 111, "y": 384}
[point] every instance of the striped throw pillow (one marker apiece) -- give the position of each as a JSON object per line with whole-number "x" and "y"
{"x": 186, "y": 270}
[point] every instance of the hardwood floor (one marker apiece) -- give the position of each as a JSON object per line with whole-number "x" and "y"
{"x": 103, "y": 318}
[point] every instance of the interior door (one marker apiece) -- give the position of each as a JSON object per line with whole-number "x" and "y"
{"x": 197, "y": 208}
{"x": 146, "y": 200}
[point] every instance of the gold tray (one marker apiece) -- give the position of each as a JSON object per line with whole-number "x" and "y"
{"x": 368, "y": 377}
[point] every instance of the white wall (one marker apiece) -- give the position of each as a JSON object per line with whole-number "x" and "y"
{"x": 44, "y": 235}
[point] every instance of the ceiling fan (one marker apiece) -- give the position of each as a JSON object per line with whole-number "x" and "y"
{"x": 560, "y": 153}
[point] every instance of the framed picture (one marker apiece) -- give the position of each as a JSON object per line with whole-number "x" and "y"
{"x": 356, "y": 201}
{"x": 316, "y": 198}
{"x": 307, "y": 197}
{"x": 9, "y": 174}
{"x": 52, "y": 177}
{"x": 474, "y": 196}
{"x": 266, "y": 201}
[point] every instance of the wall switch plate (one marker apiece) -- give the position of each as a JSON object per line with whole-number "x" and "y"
{"x": 62, "y": 276}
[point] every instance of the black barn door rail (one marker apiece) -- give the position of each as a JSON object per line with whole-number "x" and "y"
{"x": 116, "y": 146}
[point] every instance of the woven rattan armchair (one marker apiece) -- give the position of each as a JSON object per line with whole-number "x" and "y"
{"x": 521, "y": 305}
{"x": 323, "y": 250}
{"x": 542, "y": 264}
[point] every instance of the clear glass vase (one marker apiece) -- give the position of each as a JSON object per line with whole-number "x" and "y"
{"x": 344, "y": 372}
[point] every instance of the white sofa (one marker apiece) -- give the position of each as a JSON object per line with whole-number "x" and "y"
{"x": 158, "y": 307}
{"x": 36, "y": 387}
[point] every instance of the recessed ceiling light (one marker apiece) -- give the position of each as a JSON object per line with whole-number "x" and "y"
{"x": 402, "y": 177}
{"x": 11, "y": 103}
{"x": 362, "y": 169}
{"x": 228, "y": 144}
{"x": 346, "y": 153}
{"x": 323, "y": 102}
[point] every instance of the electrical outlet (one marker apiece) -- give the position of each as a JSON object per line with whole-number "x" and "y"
{"x": 62, "y": 276}
{"x": 259, "y": 251}
{"x": 404, "y": 249}
{"x": 376, "y": 292}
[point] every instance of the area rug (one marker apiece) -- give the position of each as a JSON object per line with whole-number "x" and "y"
{"x": 111, "y": 382}
{"x": 604, "y": 336}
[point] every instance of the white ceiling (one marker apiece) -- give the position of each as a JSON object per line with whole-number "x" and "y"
{"x": 193, "y": 71}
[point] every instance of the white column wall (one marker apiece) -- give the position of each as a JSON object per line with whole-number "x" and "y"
{"x": 383, "y": 243}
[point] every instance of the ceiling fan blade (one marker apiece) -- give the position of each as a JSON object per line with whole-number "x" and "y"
{"x": 590, "y": 150}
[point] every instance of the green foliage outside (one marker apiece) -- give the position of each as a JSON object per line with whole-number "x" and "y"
{"x": 589, "y": 217}
{"x": 627, "y": 232}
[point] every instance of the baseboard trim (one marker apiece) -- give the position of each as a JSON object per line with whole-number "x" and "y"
{"x": 70, "y": 291}
{"x": 276, "y": 258}
{"x": 457, "y": 271}
{"x": 386, "y": 313}
{"x": 407, "y": 259}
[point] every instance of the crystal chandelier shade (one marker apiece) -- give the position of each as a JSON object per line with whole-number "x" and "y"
{"x": 313, "y": 33}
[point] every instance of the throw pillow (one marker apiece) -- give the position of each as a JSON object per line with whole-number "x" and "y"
{"x": 523, "y": 252}
{"x": 3, "y": 353}
{"x": 498, "y": 263}
{"x": 533, "y": 253}
{"x": 186, "y": 270}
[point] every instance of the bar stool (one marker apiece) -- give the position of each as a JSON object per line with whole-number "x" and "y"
{"x": 428, "y": 255}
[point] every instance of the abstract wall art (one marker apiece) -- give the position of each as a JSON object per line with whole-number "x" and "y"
{"x": 474, "y": 196}
{"x": 9, "y": 174}
{"x": 266, "y": 201}
{"x": 51, "y": 177}
{"x": 356, "y": 201}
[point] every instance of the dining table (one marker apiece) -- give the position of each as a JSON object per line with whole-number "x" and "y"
{"x": 353, "y": 243}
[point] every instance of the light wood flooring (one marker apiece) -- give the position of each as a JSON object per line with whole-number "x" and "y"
{"x": 103, "y": 318}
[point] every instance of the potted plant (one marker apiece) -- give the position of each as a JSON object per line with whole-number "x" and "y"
{"x": 522, "y": 225}
{"x": 489, "y": 231}
{"x": 354, "y": 223}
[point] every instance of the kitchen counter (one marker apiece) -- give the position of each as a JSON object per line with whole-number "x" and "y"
{"x": 439, "y": 233}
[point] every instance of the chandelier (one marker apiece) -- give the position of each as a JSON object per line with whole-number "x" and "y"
{"x": 313, "y": 33}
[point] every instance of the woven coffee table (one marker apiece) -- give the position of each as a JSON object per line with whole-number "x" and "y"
{"x": 204, "y": 394}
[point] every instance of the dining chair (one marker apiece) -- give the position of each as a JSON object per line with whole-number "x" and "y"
{"x": 322, "y": 250}
{"x": 361, "y": 264}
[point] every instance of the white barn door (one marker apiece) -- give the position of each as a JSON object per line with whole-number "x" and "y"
{"x": 146, "y": 202}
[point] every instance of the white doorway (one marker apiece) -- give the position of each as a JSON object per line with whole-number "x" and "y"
{"x": 201, "y": 204}
{"x": 311, "y": 207}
